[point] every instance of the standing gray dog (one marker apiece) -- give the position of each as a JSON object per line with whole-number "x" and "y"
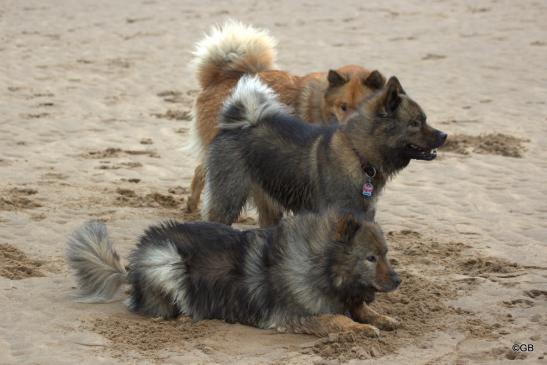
{"x": 285, "y": 164}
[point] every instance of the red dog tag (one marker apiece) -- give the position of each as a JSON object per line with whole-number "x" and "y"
{"x": 368, "y": 188}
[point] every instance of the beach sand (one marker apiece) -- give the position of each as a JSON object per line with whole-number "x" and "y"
{"x": 95, "y": 101}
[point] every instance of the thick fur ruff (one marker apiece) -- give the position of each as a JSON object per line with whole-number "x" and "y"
{"x": 96, "y": 265}
{"x": 310, "y": 265}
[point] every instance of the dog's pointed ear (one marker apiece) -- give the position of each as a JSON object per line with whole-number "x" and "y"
{"x": 392, "y": 95}
{"x": 346, "y": 227}
{"x": 336, "y": 79}
{"x": 375, "y": 80}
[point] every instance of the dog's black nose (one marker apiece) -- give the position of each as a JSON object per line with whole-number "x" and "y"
{"x": 442, "y": 137}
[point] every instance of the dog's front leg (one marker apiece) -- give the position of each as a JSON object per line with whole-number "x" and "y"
{"x": 365, "y": 314}
{"x": 322, "y": 325}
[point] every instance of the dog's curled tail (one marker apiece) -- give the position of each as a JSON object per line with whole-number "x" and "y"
{"x": 96, "y": 264}
{"x": 233, "y": 49}
{"x": 250, "y": 102}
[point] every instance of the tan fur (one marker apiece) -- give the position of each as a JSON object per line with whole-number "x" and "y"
{"x": 269, "y": 211}
{"x": 352, "y": 93}
{"x": 198, "y": 183}
{"x": 365, "y": 314}
{"x": 305, "y": 94}
{"x": 321, "y": 326}
{"x": 311, "y": 96}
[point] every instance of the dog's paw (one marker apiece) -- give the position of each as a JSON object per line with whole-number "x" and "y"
{"x": 386, "y": 323}
{"x": 366, "y": 330}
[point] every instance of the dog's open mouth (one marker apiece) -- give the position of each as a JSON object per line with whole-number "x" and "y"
{"x": 419, "y": 153}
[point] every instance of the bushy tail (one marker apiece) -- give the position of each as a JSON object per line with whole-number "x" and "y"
{"x": 233, "y": 49}
{"x": 250, "y": 102}
{"x": 229, "y": 51}
{"x": 97, "y": 266}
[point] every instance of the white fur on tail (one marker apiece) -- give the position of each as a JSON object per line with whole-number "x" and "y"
{"x": 251, "y": 101}
{"x": 233, "y": 48}
{"x": 97, "y": 266}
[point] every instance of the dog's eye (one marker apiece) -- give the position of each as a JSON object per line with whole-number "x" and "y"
{"x": 415, "y": 123}
{"x": 344, "y": 107}
{"x": 371, "y": 258}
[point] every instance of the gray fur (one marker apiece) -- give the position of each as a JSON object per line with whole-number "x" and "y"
{"x": 308, "y": 266}
{"x": 234, "y": 193}
{"x": 298, "y": 270}
{"x": 278, "y": 158}
{"x": 159, "y": 270}
{"x": 97, "y": 266}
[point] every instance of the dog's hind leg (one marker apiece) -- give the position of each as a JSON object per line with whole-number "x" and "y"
{"x": 365, "y": 314}
{"x": 198, "y": 181}
{"x": 322, "y": 325}
{"x": 227, "y": 187}
{"x": 152, "y": 303}
{"x": 269, "y": 211}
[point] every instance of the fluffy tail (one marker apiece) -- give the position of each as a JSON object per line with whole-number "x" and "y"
{"x": 233, "y": 49}
{"x": 97, "y": 266}
{"x": 250, "y": 102}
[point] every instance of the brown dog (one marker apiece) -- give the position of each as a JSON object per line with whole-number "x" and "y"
{"x": 234, "y": 50}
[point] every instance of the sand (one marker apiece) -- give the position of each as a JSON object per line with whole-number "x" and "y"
{"x": 95, "y": 109}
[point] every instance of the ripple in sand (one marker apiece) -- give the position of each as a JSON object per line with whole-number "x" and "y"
{"x": 15, "y": 265}
{"x": 491, "y": 144}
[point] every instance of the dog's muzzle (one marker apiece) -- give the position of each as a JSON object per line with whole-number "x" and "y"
{"x": 392, "y": 283}
{"x": 428, "y": 153}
